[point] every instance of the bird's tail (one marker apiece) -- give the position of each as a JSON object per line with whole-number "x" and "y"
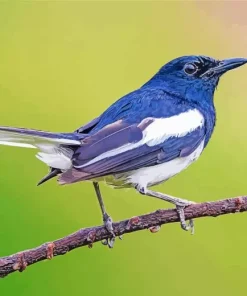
{"x": 56, "y": 149}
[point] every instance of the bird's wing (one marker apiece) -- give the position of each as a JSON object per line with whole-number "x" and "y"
{"x": 125, "y": 145}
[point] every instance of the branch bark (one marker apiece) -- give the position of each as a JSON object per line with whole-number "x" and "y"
{"x": 88, "y": 236}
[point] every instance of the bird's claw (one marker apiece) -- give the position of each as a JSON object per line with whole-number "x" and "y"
{"x": 110, "y": 241}
{"x": 184, "y": 225}
{"x": 109, "y": 227}
{"x": 104, "y": 242}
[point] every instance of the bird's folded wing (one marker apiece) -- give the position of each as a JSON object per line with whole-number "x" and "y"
{"x": 121, "y": 146}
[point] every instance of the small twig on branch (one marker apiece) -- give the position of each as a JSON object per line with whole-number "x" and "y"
{"x": 88, "y": 236}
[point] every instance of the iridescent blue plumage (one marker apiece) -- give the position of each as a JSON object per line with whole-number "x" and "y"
{"x": 154, "y": 103}
{"x": 168, "y": 93}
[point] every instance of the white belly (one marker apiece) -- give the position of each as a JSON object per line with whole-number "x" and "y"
{"x": 149, "y": 176}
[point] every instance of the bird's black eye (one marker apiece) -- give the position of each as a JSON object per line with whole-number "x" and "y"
{"x": 190, "y": 69}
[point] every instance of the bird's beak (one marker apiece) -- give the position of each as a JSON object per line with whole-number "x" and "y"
{"x": 224, "y": 66}
{"x": 229, "y": 64}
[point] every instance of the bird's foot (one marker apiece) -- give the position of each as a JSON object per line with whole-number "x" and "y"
{"x": 180, "y": 204}
{"x": 180, "y": 210}
{"x": 109, "y": 227}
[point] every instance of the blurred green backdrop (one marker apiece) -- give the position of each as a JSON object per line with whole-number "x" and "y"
{"x": 64, "y": 62}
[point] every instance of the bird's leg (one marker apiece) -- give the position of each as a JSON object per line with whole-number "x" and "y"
{"x": 178, "y": 202}
{"x": 106, "y": 218}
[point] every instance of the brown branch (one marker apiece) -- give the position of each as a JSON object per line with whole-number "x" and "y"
{"x": 88, "y": 236}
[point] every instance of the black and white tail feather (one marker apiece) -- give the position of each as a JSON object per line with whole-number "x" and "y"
{"x": 55, "y": 149}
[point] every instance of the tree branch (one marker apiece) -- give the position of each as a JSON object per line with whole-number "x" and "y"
{"x": 88, "y": 236}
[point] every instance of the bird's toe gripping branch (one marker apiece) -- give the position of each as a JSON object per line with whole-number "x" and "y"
{"x": 190, "y": 226}
{"x": 108, "y": 222}
{"x": 180, "y": 204}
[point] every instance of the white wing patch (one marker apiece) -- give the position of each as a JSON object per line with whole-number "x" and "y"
{"x": 159, "y": 131}
{"x": 176, "y": 126}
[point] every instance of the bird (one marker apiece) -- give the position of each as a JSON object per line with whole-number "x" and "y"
{"x": 143, "y": 139}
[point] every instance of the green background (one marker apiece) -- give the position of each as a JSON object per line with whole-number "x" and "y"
{"x": 64, "y": 62}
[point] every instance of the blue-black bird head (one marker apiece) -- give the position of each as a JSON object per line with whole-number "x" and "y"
{"x": 194, "y": 77}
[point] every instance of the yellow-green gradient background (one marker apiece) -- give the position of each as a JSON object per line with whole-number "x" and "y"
{"x": 63, "y": 63}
